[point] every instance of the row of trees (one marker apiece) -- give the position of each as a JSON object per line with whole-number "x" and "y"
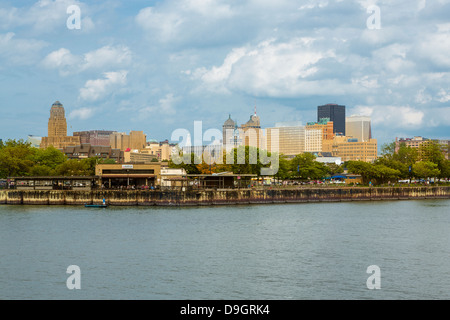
{"x": 404, "y": 162}
{"x": 395, "y": 163}
{"x": 19, "y": 158}
{"x": 302, "y": 166}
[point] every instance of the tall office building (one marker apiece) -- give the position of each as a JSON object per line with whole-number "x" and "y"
{"x": 358, "y": 127}
{"x": 325, "y": 125}
{"x": 136, "y": 140}
{"x": 335, "y": 113}
{"x": 287, "y": 138}
{"x": 57, "y": 130}
{"x": 313, "y": 140}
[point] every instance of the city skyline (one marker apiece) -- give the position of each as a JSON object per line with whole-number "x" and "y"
{"x": 156, "y": 66}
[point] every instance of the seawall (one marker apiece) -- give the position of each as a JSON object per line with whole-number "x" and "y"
{"x": 220, "y": 197}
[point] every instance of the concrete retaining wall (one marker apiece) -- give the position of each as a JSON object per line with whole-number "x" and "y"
{"x": 220, "y": 197}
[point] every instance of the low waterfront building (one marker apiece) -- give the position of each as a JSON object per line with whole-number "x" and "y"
{"x": 54, "y": 183}
{"x": 173, "y": 178}
{"x": 129, "y": 176}
{"x": 223, "y": 180}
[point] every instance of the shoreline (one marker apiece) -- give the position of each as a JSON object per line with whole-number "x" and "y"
{"x": 220, "y": 197}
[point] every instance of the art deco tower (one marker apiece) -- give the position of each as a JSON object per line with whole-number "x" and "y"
{"x": 57, "y": 130}
{"x": 57, "y": 124}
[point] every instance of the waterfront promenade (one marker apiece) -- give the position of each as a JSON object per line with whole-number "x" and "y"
{"x": 220, "y": 196}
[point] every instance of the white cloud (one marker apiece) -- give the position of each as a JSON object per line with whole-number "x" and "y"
{"x": 392, "y": 116}
{"x": 275, "y": 69}
{"x": 82, "y": 114}
{"x": 61, "y": 59}
{"x": 97, "y": 89}
{"x": 443, "y": 96}
{"x": 105, "y": 57}
{"x": 45, "y": 16}
{"x": 165, "y": 24}
{"x": 165, "y": 106}
{"x": 19, "y": 51}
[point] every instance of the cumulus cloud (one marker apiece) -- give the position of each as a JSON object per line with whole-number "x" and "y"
{"x": 82, "y": 114}
{"x": 276, "y": 69}
{"x": 392, "y": 116}
{"x": 104, "y": 57}
{"x": 45, "y": 16}
{"x": 99, "y": 88}
{"x": 165, "y": 106}
{"x": 19, "y": 51}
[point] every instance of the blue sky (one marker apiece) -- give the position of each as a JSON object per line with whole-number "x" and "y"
{"x": 158, "y": 66}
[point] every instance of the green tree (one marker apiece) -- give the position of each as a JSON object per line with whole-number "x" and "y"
{"x": 426, "y": 169}
{"x": 246, "y": 160}
{"x": 16, "y": 158}
{"x": 406, "y": 155}
{"x": 445, "y": 169}
{"x": 333, "y": 168}
{"x": 48, "y": 158}
{"x": 365, "y": 169}
{"x": 304, "y": 167}
{"x": 384, "y": 174}
{"x": 284, "y": 168}
{"x": 74, "y": 167}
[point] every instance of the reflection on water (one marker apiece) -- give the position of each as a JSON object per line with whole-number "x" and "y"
{"x": 292, "y": 251}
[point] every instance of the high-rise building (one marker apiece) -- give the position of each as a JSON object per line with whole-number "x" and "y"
{"x": 287, "y": 138}
{"x": 313, "y": 140}
{"x": 57, "y": 130}
{"x": 250, "y": 132}
{"x": 136, "y": 140}
{"x": 358, "y": 127}
{"x": 325, "y": 125}
{"x": 335, "y": 113}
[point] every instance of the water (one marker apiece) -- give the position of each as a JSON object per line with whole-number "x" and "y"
{"x": 281, "y": 252}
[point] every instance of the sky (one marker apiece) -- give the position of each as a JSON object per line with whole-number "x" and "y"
{"x": 158, "y": 66}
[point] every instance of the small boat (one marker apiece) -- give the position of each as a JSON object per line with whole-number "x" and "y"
{"x": 95, "y": 205}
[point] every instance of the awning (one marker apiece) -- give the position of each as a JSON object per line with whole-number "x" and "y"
{"x": 132, "y": 176}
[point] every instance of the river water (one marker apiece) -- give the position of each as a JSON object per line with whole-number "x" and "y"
{"x": 257, "y": 252}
